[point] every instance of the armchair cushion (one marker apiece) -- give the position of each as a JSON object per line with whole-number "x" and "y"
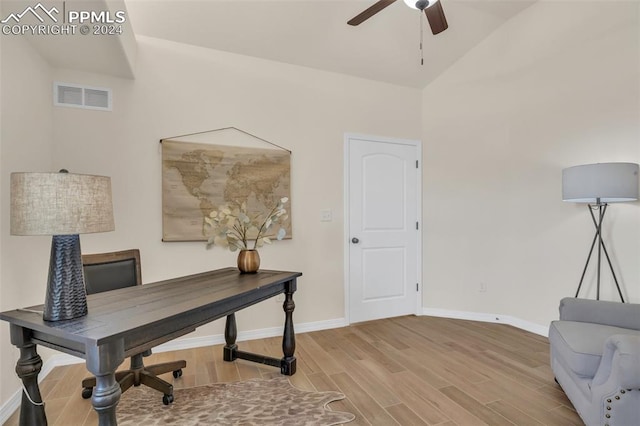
{"x": 581, "y": 344}
{"x": 621, "y": 353}
{"x": 616, "y": 314}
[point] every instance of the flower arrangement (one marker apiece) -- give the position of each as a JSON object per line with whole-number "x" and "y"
{"x": 234, "y": 228}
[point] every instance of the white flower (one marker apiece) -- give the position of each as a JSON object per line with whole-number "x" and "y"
{"x": 232, "y": 227}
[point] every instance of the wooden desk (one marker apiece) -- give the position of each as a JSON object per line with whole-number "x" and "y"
{"x": 124, "y": 322}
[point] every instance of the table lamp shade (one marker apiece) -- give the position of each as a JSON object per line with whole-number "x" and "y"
{"x": 600, "y": 183}
{"x": 60, "y": 204}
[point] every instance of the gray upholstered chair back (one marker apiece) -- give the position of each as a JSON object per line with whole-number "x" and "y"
{"x": 111, "y": 271}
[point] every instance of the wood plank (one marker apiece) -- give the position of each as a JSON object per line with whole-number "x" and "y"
{"x": 374, "y": 353}
{"x": 511, "y": 413}
{"x": 435, "y": 398}
{"x": 418, "y": 398}
{"x": 373, "y": 412}
{"x": 471, "y": 405}
{"x": 325, "y": 361}
{"x": 403, "y": 415}
{"x": 378, "y": 389}
{"x": 421, "y": 381}
{"x": 323, "y": 383}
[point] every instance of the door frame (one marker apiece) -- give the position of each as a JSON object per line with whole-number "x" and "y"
{"x": 347, "y": 219}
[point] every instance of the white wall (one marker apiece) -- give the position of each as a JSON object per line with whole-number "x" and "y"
{"x": 26, "y": 134}
{"x": 556, "y": 86}
{"x": 181, "y": 89}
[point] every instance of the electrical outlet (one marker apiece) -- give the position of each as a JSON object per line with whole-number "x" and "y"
{"x": 483, "y": 288}
{"x": 279, "y": 298}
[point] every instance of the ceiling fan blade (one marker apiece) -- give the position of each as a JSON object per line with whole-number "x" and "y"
{"x": 368, "y": 13}
{"x": 435, "y": 16}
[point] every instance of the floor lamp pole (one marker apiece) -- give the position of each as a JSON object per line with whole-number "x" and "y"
{"x": 602, "y": 209}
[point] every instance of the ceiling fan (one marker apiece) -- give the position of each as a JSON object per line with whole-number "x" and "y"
{"x": 432, "y": 8}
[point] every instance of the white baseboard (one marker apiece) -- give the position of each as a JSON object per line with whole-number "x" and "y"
{"x": 11, "y": 405}
{"x": 484, "y": 317}
{"x": 197, "y": 342}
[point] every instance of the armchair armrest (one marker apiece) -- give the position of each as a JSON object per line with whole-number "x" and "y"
{"x": 620, "y": 362}
{"x": 625, "y": 315}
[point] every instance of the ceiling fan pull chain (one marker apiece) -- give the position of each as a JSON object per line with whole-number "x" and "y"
{"x": 421, "y": 41}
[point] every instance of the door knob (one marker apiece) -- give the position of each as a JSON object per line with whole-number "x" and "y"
{"x": 354, "y": 240}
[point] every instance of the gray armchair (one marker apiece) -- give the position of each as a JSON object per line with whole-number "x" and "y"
{"x": 595, "y": 356}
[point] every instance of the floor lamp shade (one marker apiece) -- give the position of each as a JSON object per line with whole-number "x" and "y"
{"x": 600, "y": 183}
{"x": 62, "y": 205}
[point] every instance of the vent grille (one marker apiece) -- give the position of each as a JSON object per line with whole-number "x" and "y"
{"x": 76, "y": 96}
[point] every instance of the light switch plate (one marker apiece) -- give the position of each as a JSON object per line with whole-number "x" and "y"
{"x": 326, "y": 215}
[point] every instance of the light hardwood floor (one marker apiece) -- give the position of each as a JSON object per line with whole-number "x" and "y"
{"x": 408, "y": 370}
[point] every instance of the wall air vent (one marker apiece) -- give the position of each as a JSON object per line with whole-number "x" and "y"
{"x": 73, "y": 95}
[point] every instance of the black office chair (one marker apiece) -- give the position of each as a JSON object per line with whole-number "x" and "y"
{"x": 111, "y": 271}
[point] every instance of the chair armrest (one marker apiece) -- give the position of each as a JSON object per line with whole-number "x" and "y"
{"x": 625, "y": 315}
{"x": 620, "y": 362}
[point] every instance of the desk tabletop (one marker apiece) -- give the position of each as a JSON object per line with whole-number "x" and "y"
{"x": 176, "y": 305}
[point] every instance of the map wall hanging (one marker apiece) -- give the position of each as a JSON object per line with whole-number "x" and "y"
{"x": 198, "y": 178}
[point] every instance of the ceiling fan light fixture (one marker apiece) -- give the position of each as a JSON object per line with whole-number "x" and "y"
{"x": 413, "y": 4}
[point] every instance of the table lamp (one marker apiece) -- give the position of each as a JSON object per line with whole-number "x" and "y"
{"x": 62, "y": 205}
{"x": 598, "y": 185}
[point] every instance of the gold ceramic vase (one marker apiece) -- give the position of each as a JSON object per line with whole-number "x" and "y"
{"x": 248, "y": 261}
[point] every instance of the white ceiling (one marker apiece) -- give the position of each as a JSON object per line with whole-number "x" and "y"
{"x": 311, "y": 33}
{"x": 315, "y": 33}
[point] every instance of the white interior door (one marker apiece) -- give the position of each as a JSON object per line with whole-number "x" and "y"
{"x": 383, "y": 221}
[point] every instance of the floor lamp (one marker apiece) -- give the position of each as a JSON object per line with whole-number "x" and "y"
{"x": 598, "y": 185}
{"x": 62, "y": 205}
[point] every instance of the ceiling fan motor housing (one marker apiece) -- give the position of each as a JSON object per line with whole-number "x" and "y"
{"x": 422, "y": 4}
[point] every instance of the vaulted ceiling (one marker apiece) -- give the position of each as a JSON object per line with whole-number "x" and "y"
{"x": 315, "y": 33}
{"x": 309, "y": 33}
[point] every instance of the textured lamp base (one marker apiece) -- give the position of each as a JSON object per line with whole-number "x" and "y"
{"x": 66, "y": 296}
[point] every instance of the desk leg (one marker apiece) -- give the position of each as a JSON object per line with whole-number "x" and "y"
{"x": 288, "y": 364}
{"x": 230, "y": 335}
{"x": 27, "y": 368}
{"x": 102, "y": 361}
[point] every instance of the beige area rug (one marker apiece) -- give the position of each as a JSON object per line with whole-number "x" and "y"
{"x": 251, "y": 402}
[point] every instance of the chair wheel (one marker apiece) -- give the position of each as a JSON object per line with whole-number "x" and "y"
{"x": 177, "y": 373}
{"x": 167, "y": 399}
{"x": 86, "y": 393}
